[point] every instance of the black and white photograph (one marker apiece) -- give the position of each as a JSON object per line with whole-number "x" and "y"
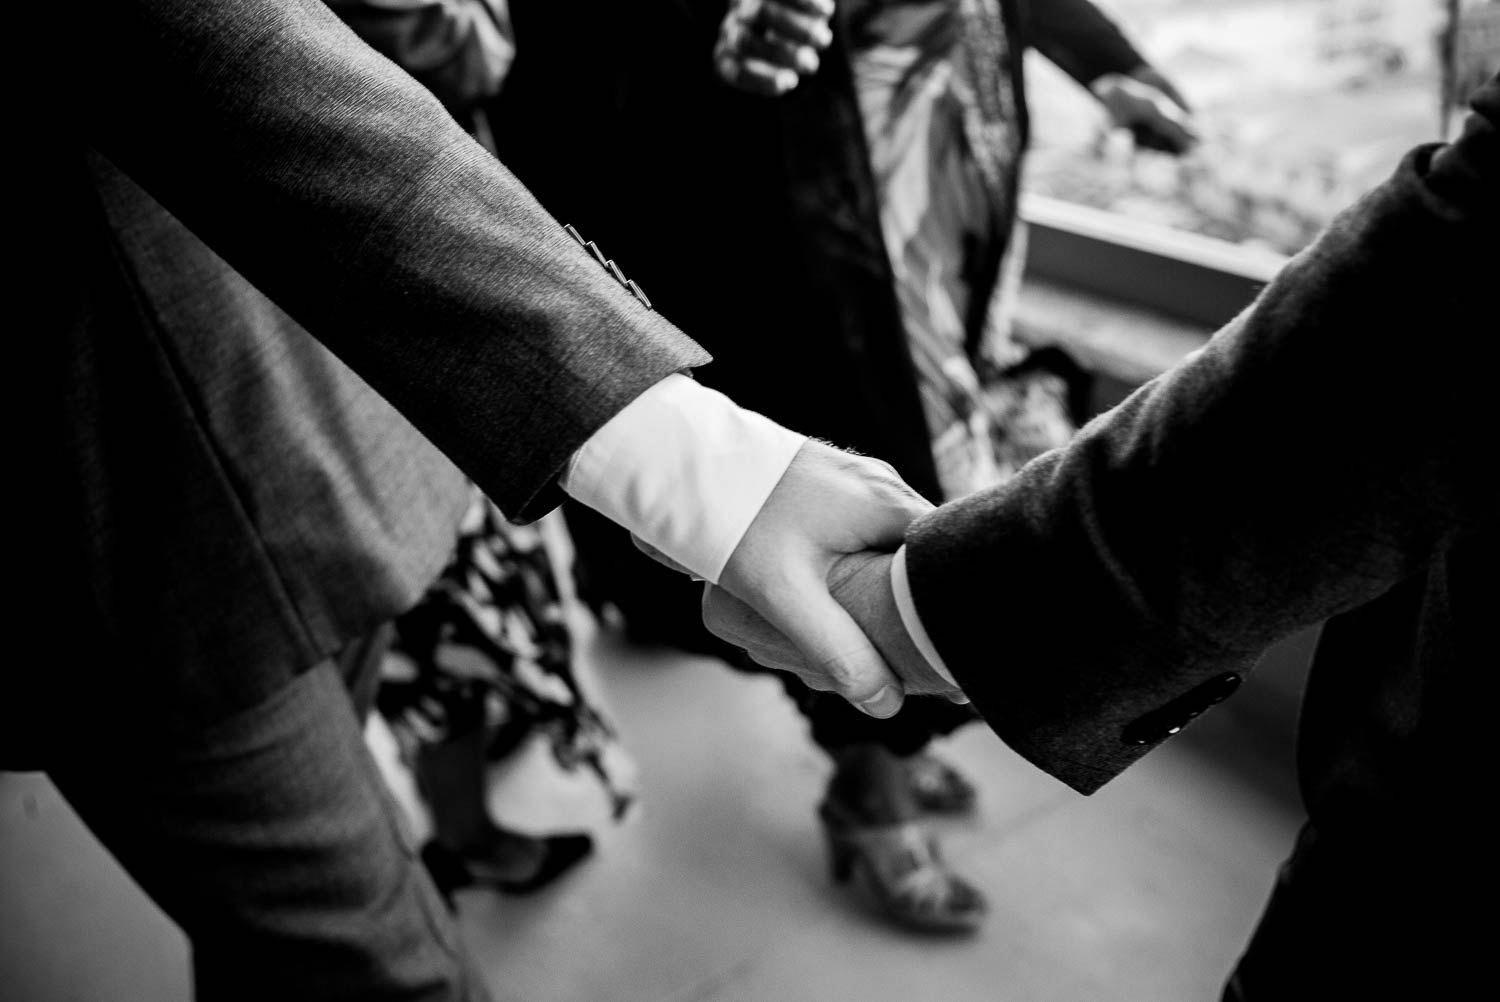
{"x": 753, "y": 501}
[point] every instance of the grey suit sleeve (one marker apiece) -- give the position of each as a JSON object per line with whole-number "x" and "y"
{"x": 343, "y": 190}
{"x": 1323, "y": 447}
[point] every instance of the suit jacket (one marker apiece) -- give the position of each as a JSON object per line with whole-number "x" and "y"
{"x": 754, "y": 222}
{"x": 179, "y": 503}
{"x": 1330, "y": 453}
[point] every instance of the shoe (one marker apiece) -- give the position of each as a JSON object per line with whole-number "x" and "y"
{"x": 447, "y": 871}
{"x": 495, "y": 866}
{"x": 900, "y": 868}
{"x": 939, "y": 788}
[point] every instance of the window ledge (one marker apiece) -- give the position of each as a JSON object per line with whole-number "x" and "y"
{"x": 1122, "y": 342}
{"x": 1256, "y": 264}
{"x": 1182, "y": 275}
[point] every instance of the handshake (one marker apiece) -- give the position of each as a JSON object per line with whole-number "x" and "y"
{"x": 808, "y": 589}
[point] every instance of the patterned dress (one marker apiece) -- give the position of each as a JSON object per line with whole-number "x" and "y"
{"x": 941, "y": 175}
{"x": 488, "y": 648}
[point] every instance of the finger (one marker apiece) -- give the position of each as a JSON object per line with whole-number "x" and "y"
{"x": 832, "y": 644}
{"x": 1159, "y": 132}
{"x": 755, "y": 77}
{"x": 772, "y": 47}
{"x": 1166, "y": 86}
{"x": 1176, "y": 96}
{"x": 732, "y": 620}
{"x": 735, "y": 622}
{"x": 793, "y": 665}
{"x": 794, "y": 26}
{"x": 729, "y": 619}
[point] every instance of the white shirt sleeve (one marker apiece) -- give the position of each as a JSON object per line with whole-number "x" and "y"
{"x": 901, "y": 589}
{"x": 685, "y": 469}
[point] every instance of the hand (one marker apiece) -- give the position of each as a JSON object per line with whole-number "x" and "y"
{"x": 828, "y": 506}
{"x": 861, "y": 583}
{"x": 766, "y": 46}
{"x": 1147, "y": 104}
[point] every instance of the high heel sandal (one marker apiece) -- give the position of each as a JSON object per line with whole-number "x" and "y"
{"x": 938, "y": 787}
{"x": 452, "y": 870}
{"x": 900, "y": 867}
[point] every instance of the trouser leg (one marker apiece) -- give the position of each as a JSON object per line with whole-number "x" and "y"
{"x": 1374, "y": 918}
{"x": 271, "y": 839}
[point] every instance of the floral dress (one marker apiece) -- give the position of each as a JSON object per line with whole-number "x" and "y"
{"x": 940, "y": 174}
{"x": 488, "y": 648}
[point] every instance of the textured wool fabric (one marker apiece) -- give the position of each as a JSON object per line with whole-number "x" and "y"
{"x": 1329, "y": 455}
{"x": 340, "y": 189}
{"x": 1308, "y": 459}
{"x": 272, "y": 839}
{"x": 222, "y": 504}
{"x": 232, "y": 504}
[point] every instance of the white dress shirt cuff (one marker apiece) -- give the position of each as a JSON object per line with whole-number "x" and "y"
{"x": 685, "y": 469}
{"x": 901, "y": 589}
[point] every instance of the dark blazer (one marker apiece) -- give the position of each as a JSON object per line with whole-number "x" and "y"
{"x": 1330, "y": 453}
{"x": 176, "y": 533}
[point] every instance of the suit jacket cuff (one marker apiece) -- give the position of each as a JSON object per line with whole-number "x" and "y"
{"x": 901, "y": 590}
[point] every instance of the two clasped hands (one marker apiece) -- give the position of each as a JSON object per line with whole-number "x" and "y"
{"x": 794, "y": 537}
{"x": 810, "y": 587}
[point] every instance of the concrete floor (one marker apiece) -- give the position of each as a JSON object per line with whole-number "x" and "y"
{"x": 716, "y": 888}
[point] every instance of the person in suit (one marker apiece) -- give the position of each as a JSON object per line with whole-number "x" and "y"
{"x": 231, "y": 519}
{"x": 1311, "y": 463}
{"x": 865, "y": 157}
{"x": 482, "y": 664}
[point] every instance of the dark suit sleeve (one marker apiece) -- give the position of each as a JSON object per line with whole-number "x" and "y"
{"x": 341, "y": 188}
{"x": 1079, "y": 38}
{"x": 1323, "y": 447}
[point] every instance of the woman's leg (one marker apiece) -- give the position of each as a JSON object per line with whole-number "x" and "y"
{"x": 871, "y": 814}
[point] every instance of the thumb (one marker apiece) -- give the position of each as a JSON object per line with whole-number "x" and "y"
{"x": 832, "y": 645}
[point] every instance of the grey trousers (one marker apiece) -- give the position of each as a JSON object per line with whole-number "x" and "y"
{"x": 272, "y": 840}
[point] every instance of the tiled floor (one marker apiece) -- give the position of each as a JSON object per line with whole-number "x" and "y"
{"x": 716, "y": 888}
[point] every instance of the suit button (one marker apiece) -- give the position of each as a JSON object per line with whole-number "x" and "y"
{"x": 1220, "y": 688}
{"x": 1162, "y": 723}
{"x": 635, "y": 290}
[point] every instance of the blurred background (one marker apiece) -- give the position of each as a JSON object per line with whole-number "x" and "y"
{"x": 715, "y": 886}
